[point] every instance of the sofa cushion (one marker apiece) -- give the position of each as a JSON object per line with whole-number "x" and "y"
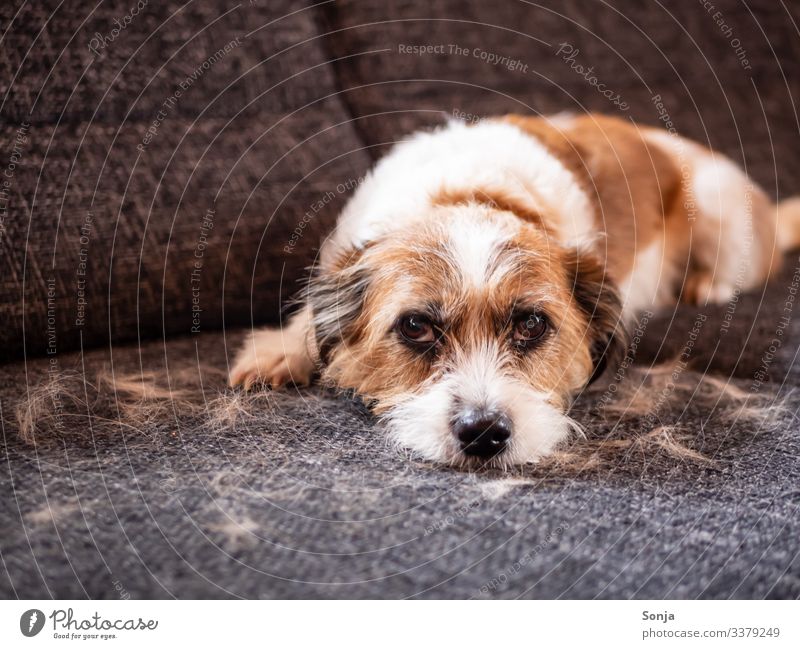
{"x": 296, "y": 493}
{"x": 166, "y": 171}
{"x": 723, "y": 76}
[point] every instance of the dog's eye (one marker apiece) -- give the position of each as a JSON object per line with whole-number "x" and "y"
{"x": 416, "y": 328}
{"x": 529, "y": 328}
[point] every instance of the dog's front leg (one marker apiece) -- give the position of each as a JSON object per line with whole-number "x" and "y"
{"x": 276, "y": 357}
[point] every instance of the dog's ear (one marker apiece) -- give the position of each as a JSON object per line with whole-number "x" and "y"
{"x": 600, "y": 301}
{"x": 336, "y": 298}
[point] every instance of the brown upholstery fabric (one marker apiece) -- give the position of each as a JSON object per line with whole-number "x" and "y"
{"x": 262, "y": 134}
{"x": 639, "y": 50}
{"x": 257, "y": 134}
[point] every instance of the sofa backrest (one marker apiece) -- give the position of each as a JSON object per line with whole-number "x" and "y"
{"x": 724, "y": 72}
{"x": 170, "y": 168}
{"x": 166, "y": 167}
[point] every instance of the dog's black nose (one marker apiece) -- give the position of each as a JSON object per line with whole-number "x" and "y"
{"x": 482, "y": 434}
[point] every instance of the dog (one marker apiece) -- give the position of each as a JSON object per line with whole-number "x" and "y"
{"x": 483, "y": 275}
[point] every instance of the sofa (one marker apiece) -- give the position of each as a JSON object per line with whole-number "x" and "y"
{"x": 168, "y": 173}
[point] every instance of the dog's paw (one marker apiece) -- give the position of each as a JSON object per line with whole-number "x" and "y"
{"x": 268, "y": 358}
{"x": 702, "y": 288}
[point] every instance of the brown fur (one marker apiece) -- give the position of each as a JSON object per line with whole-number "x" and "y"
{"x": 365, "y": 354}
{"x": 499, "y": 198}
{"x": 641, "y": 191}
{"x": 633, "y": 184}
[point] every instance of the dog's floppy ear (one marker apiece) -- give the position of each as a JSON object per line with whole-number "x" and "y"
{"x": 600, "y": 301}
{"x": 336, "y": 298}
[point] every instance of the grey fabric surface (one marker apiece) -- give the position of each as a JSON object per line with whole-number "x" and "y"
{"x": 300, "y": 496}
{"x": 257, "y": 135}
{"x": 303, "y": 497}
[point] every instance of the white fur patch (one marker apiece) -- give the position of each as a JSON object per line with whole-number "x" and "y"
{"x": 474, "y": 246}
{"x": 459, "y": 157}
{"x": 725, "y": 200}
{"x": 725, "y": 206}
{"x": 497, "y": 489}
{"x": 649, "y": 283}
{"x": 478, "y": 380}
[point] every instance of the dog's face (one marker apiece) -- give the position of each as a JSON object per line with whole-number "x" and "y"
{"x": 469, "y": 333}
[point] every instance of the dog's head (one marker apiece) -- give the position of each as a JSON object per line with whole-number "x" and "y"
{"x": 470, "y": 333}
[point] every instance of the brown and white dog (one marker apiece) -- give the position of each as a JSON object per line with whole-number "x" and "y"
{"x": 481, "y": 276}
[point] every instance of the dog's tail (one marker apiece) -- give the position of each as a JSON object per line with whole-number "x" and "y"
{"x": 789, "y": 223}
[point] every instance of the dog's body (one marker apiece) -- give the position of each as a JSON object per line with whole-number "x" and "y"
{"x": 482, "y": 275}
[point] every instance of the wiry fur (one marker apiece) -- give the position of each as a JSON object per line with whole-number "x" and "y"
{"x": 484, "y": 378}
{"x": 130, "y": 409}
{"x": 584, "y": 220}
